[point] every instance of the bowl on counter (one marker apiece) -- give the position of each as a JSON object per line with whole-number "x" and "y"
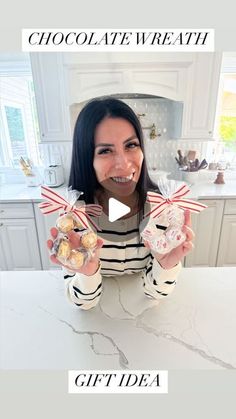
{"x": 156, "y": 175}
{"x": 190, "y": 177}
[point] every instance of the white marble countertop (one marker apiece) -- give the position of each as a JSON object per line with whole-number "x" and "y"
{"x": 210, "y": 190}
{"x": 19, "y": 192}
{"x": 203, "y": 190}
{"x": 194, "y": 328}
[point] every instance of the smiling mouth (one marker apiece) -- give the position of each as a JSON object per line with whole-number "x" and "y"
{"x": 123, "y": 179}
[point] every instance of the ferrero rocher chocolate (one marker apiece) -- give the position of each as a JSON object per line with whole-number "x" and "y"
{"x": 89, "y": 240}
{"x": 76, "y": 259}
{"x": 65, "y": 223}
{"x": 64, "y": 250}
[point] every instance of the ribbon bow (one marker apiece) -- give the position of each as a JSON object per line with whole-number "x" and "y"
{"x": 176, "y": 199}
{"x": 55, "y": 202}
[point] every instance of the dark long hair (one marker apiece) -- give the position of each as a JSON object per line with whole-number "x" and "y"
{"x": 82, "y": 174}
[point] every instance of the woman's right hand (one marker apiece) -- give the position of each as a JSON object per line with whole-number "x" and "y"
{"x": 90, "y": 267}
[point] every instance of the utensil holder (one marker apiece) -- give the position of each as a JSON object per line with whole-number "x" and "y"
{"x": 190, "y": 177}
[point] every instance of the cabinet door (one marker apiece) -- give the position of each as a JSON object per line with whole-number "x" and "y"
{"x": 201, "y": 96}
{"x": 207, "y": 226}
{"x": 3, "y": 265}
{"x": 44, "y": 223}
{"x": 20, "y": 245}
{"x": 227, "y": 247}
{"x": 50, "y": 95}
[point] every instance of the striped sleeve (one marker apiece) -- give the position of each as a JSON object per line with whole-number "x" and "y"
{"x": 82, "y": 290}
{"x": 159, "y": 282}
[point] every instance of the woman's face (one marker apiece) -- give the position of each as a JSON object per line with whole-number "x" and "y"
{"x": 117, "y": 157}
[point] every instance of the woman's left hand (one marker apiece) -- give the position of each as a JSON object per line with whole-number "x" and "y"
{"x": 172, "y": 258}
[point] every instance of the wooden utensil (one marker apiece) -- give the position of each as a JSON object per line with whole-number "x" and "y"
{"x": 191, "y": 155}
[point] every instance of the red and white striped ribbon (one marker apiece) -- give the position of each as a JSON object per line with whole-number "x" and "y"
{"x": 56, "y": 202}
{"x": 176, "y": 198}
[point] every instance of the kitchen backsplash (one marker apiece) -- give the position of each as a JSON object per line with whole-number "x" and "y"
{"x": 160, "y": 116}
{"x": 160, "y": 155}
{"x": 59, "y": 153}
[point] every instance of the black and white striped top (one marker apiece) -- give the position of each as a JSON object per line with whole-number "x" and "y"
{"x": 122, "y": 253}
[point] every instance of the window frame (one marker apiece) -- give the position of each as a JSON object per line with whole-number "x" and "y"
{"x": 19, "y": 67}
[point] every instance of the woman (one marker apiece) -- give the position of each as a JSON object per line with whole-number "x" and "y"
{"x": 108, "y": 161}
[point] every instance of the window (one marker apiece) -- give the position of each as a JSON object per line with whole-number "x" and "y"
{"x": 19, "y": 131}
{"x": 225, "y": 126}
{"x": 227, "y": 110}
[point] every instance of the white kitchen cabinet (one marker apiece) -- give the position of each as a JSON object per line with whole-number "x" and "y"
{"x": 200, "y": 103}
{"x": 227, "y": 246}
{"x": 207, "y": 228}
{"x": 44, "y": 223}
{"x": 50, "y": 94}
{"x": 18, "y": 238}
{"x": 3, "y": 264}
{"x": 61, "y": 81}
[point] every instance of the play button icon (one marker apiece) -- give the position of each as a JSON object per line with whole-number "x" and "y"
{"x": 116, "y": 209}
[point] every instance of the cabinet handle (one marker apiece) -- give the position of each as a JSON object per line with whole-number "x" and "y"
{"x": 1, "y": 224}
{"x": 1, "y": 210}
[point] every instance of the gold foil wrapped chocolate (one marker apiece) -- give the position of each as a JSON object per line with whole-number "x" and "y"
{"x": 65, "y": 223}
{"x": 89, "y": 240}
{"x": 76, "y": 259}
{"x": 63, "y": 250}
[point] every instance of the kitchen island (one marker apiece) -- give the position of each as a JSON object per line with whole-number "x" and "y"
{"x": 193, "y": 328}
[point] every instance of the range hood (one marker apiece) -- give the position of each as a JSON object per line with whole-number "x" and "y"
{"x": 127, "y": 81}
{"x": 135, "y": 96}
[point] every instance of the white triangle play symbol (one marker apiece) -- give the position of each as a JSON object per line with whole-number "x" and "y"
{"x": 116, "y": 209}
